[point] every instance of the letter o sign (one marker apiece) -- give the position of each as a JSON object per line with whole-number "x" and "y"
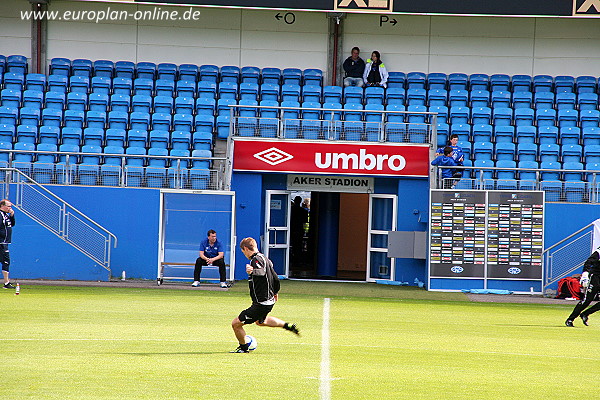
{"x": 396, "y": 163}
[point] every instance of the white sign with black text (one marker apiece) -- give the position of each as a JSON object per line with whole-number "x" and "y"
{"x": 326, "y": 183}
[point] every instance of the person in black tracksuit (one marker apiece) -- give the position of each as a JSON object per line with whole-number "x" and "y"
{"x": 590, "y": 280}
{"x": 7, "y": 221}
{"x": 264, "y": 287}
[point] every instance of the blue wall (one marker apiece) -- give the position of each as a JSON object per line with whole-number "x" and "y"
{"x": 131, "y": 214}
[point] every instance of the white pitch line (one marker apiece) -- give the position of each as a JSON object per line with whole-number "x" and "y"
{"x": 325, "y": 382}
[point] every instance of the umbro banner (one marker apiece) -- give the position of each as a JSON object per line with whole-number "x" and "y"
{"x": 331, "y": 158}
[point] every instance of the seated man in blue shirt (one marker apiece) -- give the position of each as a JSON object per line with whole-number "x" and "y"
{"x": 211, "y": 253}
{"x": 446, "y": 160}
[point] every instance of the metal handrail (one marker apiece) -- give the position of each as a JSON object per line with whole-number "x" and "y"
{"x": 569, "y": 237}
{"x": 234, "y": 106}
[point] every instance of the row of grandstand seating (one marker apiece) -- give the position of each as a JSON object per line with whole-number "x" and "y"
{"x": 531, "y": 152}
{"x": 35, "y": 85}
{"x": 250, "y": 74}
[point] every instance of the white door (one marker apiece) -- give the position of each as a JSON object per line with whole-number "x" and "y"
{"x": 382, "y": 219}
{"x": 277, "y": 230}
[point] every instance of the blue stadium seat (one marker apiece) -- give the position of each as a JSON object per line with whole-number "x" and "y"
{"x": 95, "y": 119}
{"x": 14, "y": 81}
{"x": 481, "y": 115}
{"x": 61, "y": 167}
{"x": 224, "y": 106}
{"x": 181, "y": 140}
{"x": 458, "y": 81}
{"x": 416, "y": 80}
{"x": 55, "y": 100}
{"x": 156, "y": 171}
{"x": 441, "y": 111}
{"x": 166, "y": 71}
{"x": 482, "y": 133}
{"x": 352, "y": 94}
{"x": 545, "y": 117}
{"x": 143, "y": 86}
{"x": 374, "y": 95}
{"x": 543, "y": 100}
{"x": 528, "y": 177}
{"x": 271, "y": 76}
{"x": 222, "y": 126}
{"x": 587, "y": 101}
{"x": 202, "y": 140}
{"x": 311, "y": 93}
{"x": 269, "y": 92}
{"x": 437, "y": 97}
{"x": 549, "y": 152}
{"x": 188, "y": 72}
{"x": 49, "y": 134}
{"x": 479, "y": 82}
{"x": 185, "y": 88}
{"x": 60, "y": 66}
{"x": 184, "y": 105}
{"x": 312, "y": 76}
{"x": 459, "y": 115}
{"x": 57, "y": 83}
{"x": 527, "y": 152}
{"x": 550, "y": 181}
{"x": 548, "y": 134}
{"x": 249, "y": 109}
{"x": 110, "y": 170}
{"x": 396, "y": 116}
{"x": 50, "y": 117}
{"x": 139, "y": 120}
{"x": 9, "y": 115}
{"x": 485, "y": 175}
{"x": 164, "y": 87}
{"x": 199, "y": 174}
{"x": 159, "y": 139}
{"x": 163, "y": 104}
{"x": 120, "y": 102}
{"x": 35, "y": 82}
{"x": 352, "y": 112}
{"x": 269, "y": 112}
{"x": 501, "y": 99}
{"x": 506, "y": 180}
{"x": 522, "y": 100}
{"x": 524, "y": 117}
{"x": 500, "y": 82}
{"x": 7, "y": 133}
{"x": 210, "y": 73}
{"x": 458, "y": 98}
{"x": 228, "y": 90}
{"x": 43, "y": 167}
{"x": 183, "y": 122}
{"x": 526, "y": 134}
{"x": 592, "y": 154}
{"x": 161, "y": 121}
{"x": 250, "y": 75}
{"x": 141, "y": 103}
{"x": 462, "y": 130}
{"x": 292, "y": 92}
{"x": 118, "y": 120}
{"x": 79, "y": 84}
{"x": 104, "y": 68}
{"x": 415, "y": 97}
{"x": 27, "y": 133}
{"x": 505, "y": 151}
{"x": 521, "y": 83}
{"x": 125, "y": 70}
{"x": 74, "y": 119}
{"x": 395, "y": 96}
{"x": 543, "y": 83}
{"x": 93, "y": 136}
{"x": 570, "y": 135}
{"x": 72, "y": 136}
{"x": 77, "y": 101}
{"x": 502, "y": 116}
{"x": 101, "y": 84}
{"x": 591, "y": 136}
{"x": 396, "y": 80}
{"x": 205, "y": 106}
{"x": 82, "y": 67}
{"x": 565, "y": 101}
{"x": 122, "y": 86}
{"x": 115, "y": 137}
{"x": 11, "y": 98}
{"x": 567, "y": 118}
{"x": 483, "y": 150}
{"x": 134, "y": 166}
{"x": 564, "y": 84}
{"x": 589, "y": 118}
{"x": 98, "y": 102}
{"x": 575, "y": 187}
{"x": 585, "y": 84}
{"x": 443, "y": 130}
{"x": 145, "y": 70}
{"x": 436, "y": 80}
{"x": 292, "y": 76}
{"x": 571, "y": 153}
{"x": 207, "y": 89}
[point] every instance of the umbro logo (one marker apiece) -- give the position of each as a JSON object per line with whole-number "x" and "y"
{"x": 586, "y": 7}
{"x": 273, "y": 156}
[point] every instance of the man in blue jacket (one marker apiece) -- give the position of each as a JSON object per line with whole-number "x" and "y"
{"x": 447, "y": 161}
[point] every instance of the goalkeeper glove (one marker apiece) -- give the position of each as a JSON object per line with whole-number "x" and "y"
{"x": 585, "y": 279}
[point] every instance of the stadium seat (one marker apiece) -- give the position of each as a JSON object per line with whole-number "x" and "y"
{"x": 205, "y": 106}
{"x": 134, "y": 166}
{"x": 480, "y": 98}
{"x": 163, "y": 104}
{"x": 159, "y": 139}
{"x": 526, "y": 134}
{"x": 501, "y": 99}
{"x": 441, "y": 111}
{"x": 98, "y": 102}
{"x": 312, "y": 93}
{"x": 74, "y": 119}
{"x": 549, "y": 152}
{"x": 125, "y": 70}
{"x": 396, "y": 80}
{"x": 202, "y": 140}
{"x": 60, "y": 66}
{"x": 30, "y": 116}
{"x": 436, "y": 97}
{"x": 482, "y": 133}
{"x": 271, "y": 76}
{"x": 500, "y": 82}
{"x": 207, "y": 89}
{"x": 188, "y": 72}
{"x": 122, "y": 86}
{"x": 524, "y": 117}
{"x": 143, "y": 86}
{"x": 77, "y": 101}
{"x": 458, "y": 98}
{"x": 81, "y": 67}
{"x": 571, "y": 153}
{"x": 185, "y": 89}
{"x": 459, "y": 115}
{"x": 436, "y": 80}
{"x": 505, "y": 151}
{"x": 164, "y": 87}
{"x": 354, "y": 94}
{"x": 120, "y": 102}
{"x": 485, "y": 176}
{"x": 292, "y": 92}
{"x": 527, "y": 152}
{"x": 35, "y": 82}
{"x": 521, "y": 83}
{"x": 224, "y": 106}
{"x": 543, "y": 83}
{"x": 110, "y": 170}
{"x": 458, "y": 81}
{"x": 548, "y": 134}
{"x": 161, "y": 121}
{"x": 183, "y": 122}
{"x": 545, "y": 117}
{"x": 592, "y": 154}
{"x": 222, "y": 126}
{"x": 63, "y": 174}
{"x": 374, "y": 95}
{"x": 95, "y": 119}
{"x": 550, "y": 181}
{"x": 481, "y": 115}
{"x": 591, "y": 136}
{"x": 479, "y": 82}
{"x": 11, "y": 98}
{"x": 27, "y": 133}
{"x": 292, "y": 76}
{"x": 23, "y": 157}
{"x": 312, "y": 76}
{"x": 522, "y": 100}
{"x": 72, "y": 136}
{"x": 57, "y": 83}
{"x": 49, "y": 134}
{"x": 566, "y": 101}
{"x": 104, "y": 69}
{"x": 502, "y": 116}
{"x": 506, "y": 179}
{"x": 50, "y": 117}
{"x": 139, "y": 120}
{"x": 251, "y": 75}
{"x": 416, "y": 80}
{"x": 527, "y": 177}
{"x": 570, "y": 135}
{"x": 79, "y": 84}
{"x": 483, "y": 150}
{"x": 589, "y": 118}
{"x": 575, "y": 187}
{"x": 166, "y": 71}
{"x": 269, "y": 92}
{"x": 115, "y": 137}
{"x": 93, "y": 136}
{"x": 395, "y": 96}
{"x": 102, "y": 85}
{"x": 43, "y": 167}
{"x": 118, "y": 120}
{"x": 156, "y": 171}
{"x": 585, "y": 84}
{"x": 564, "y": 84}
{"x": 145, "y": 70}
{"x": 543, "y": 100}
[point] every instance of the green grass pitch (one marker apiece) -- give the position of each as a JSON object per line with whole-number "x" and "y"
{"x": 385, "y": 343}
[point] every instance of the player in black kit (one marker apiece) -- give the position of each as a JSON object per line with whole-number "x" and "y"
{"x": 264, "y": 286}
{"x": 590, "y": 281}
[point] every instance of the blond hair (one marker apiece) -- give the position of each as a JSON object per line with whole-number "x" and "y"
{"x": 248, "y": 243}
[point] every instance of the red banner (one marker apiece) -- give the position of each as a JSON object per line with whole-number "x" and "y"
{"x": 331, "y": 158}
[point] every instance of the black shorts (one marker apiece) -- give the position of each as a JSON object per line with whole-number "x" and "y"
{"x": 256, "y": 312}
{"x": 4, "y": 257}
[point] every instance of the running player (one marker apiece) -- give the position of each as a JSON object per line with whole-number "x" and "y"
{"x": 590, "y": 280}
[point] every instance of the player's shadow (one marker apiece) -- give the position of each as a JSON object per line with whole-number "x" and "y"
{"x": 532, "y": 325}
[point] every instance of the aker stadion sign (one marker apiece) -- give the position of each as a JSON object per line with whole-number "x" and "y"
{"x": 331, "y": 158}
{"x": 325, "y": 183}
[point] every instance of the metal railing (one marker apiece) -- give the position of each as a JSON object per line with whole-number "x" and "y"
{"x": 485, "y": 178}
{"x": 333, "y": 124}
{"x": 212, "y": 174}
{"x": 60, "y": 217}
{"x": 568, "y": 255}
